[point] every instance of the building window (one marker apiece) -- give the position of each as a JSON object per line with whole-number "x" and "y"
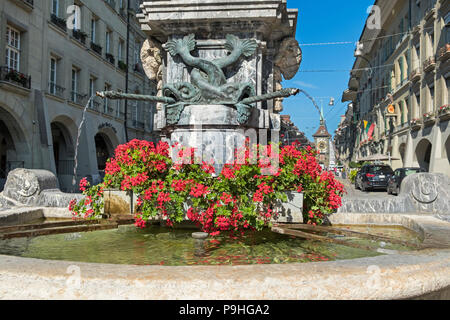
{"x": 417, "y": 56}
{"x": 77, "y": 19}
{"x": 92, "y": 81}
{"x": 106, "y": 100}
{"x": 137, "y": 48}
{"x": 134, "y": 113}
{"x": 118, "y": 105}
{"x": 55, "y": 7}
{"x": 430, "y": 44}
{"x": 120, "y": 51}
{"x": 12, "y": 48}
{"x": 93, "y": 30}
{"x": 108, "y": 41}
{"x": 417, "y": 104}
{"x": 74, "y": 84}
{"x": 53, "y": 67}
{"x": 431, "y": 105}
{"x": 150, "y": 117}
{"x": 447, "y": 83}
{"x": 447, "y": 33}
{"x": 403, "y": 113}
{"x": 403, "y": 70}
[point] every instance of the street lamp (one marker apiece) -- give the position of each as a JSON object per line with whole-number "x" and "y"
{"x": 331, "y": 103}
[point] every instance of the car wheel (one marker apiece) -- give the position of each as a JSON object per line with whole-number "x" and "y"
{"x": 363, "y": 189}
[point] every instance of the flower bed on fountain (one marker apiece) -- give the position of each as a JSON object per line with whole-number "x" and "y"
{"x": 241, "y": 197}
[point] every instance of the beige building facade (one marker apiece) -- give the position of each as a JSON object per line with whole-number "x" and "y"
{"x": 399, "y": 89}
{"x": 50, "y": 69}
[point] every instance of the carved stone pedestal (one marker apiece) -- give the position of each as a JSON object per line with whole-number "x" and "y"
{"x": 215, "y": 131}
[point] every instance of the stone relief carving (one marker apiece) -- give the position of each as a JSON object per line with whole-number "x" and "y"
{"x": 35, "y": 188}
{"x": 152, "y": 63}
{"x": 286, "y": 63}
{"x": 208, "y": 76}
{"x": 208, "y": 82}
{"x": 24, "y": 184}
{"x": 425, "y": 190}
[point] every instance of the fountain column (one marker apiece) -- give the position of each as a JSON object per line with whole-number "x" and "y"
{"x": 213, "y": 126}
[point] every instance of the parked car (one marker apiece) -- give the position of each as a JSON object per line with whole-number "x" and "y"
{"x": 373, "y": 176}
{"x": 395, "y": 181}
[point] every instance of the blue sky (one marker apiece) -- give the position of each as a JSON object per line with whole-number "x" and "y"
{"x": 323, "y": 22}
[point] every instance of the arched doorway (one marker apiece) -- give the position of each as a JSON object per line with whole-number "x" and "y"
{"x": 402, "y": 151}
{"x": 14, "y": 151}
{"x": 423, "y": 154}
{"x": 104, "y": 150}
{"x": 64, "y": 153}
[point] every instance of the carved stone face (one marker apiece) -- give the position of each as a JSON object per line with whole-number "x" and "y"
{"x": 151, "y": 59}
{"x": 289, "y": 58}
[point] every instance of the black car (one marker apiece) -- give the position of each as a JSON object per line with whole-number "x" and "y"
{"x": 373, "y": 176}
{"x": 395, "y": 181}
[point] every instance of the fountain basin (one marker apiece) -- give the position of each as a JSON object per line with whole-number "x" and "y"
{"x": 424, "y": 273}
{"x": 158, "y": 245}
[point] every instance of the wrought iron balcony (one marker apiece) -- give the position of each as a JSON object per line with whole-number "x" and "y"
{"x": 430, "y": 13}
{"x": 111, "y": 3}
{"x": 416, "y": 123}
{"x": 429, "y": 64}
{"x": 444, "y": 52}
{"x": 56, "y": 90}
{"x": 428, "y": 119}
{"x": 95, "y": 105}
{"x": 110, "y": 58}
{"x": 80, "y": 36}
{"x": 138, "y": 68}
{"x": 123, "y": 13}
{"x": 444, "y": 112}
{"x": 15, "y": 77}
{"x": 78, "y": 98}
{"x": 27, "y": 5}
{"x": 60, "y": 22}
{"x": 122, "y": 65}
{"x": 96, "y": 48}
{"x": 415, "y": 75}
{"x": 138, "y": 124}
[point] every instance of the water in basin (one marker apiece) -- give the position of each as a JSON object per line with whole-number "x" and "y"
{"x": 158, "y": 245}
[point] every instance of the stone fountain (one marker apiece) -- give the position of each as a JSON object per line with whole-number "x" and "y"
{"x": 218, "y": 71}
{"x": 220, "y": 63}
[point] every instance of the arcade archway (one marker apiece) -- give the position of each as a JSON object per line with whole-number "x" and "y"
{"x": 423, "y": 154}
{"x": 104, "y": 150}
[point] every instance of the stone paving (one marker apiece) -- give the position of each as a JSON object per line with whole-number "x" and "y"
{"x": 352, "y": 192}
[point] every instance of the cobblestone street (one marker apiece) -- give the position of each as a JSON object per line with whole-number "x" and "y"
{"x": 352, "y": 192}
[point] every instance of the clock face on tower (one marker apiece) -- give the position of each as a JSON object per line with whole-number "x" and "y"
{"x": 322, "y": 145}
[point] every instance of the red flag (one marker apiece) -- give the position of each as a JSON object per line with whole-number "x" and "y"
{"x": 371, "y": 130}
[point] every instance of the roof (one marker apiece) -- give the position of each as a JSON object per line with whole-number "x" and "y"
{"x": 322, "y": 131}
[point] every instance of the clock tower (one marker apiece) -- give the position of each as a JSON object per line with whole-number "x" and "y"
{"x": 322, "y": 141}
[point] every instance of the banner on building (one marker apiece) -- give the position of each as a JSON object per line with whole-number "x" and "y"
{"x": 371, "y": 130}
